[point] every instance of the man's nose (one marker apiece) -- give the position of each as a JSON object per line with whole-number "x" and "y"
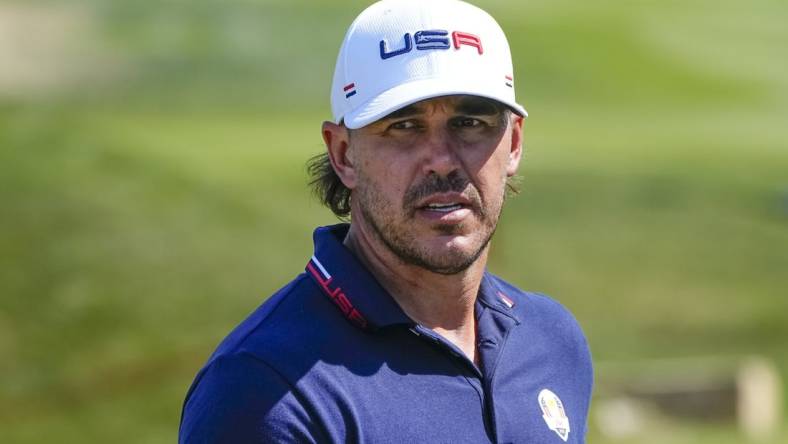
{"x": 440, "y": 155}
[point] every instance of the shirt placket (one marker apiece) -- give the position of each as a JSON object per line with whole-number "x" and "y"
{"x": 493, "y": 329}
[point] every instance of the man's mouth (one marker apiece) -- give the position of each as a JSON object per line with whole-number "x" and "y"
{"x": 444, "y": 207}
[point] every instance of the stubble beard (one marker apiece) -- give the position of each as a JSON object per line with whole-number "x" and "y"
{"x": 392, "y": 231}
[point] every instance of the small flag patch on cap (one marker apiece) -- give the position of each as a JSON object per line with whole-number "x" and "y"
{"x": 350, "y": 90}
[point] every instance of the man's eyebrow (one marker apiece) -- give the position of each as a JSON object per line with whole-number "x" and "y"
{"x": 478, "y": 106}
{"x": 408, "y": 111}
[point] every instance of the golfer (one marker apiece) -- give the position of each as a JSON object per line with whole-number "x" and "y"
{"x": 396, "y": 331}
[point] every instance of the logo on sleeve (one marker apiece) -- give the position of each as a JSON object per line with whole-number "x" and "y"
{"x": 554, "y": 414}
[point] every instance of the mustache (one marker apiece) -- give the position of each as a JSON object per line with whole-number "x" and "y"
{"x": 435, "y": 184}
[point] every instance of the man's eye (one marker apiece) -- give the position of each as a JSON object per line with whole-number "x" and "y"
{"x": 468, "y": 122}
{"x": 403, "y": 125}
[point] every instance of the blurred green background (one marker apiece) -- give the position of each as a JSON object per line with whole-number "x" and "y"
{"x": 153, "y": 190}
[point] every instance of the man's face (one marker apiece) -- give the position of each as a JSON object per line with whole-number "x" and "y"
{"x": 431, "y": 179}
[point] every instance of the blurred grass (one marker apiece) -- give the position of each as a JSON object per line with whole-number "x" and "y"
{"x": 146, "y": 213}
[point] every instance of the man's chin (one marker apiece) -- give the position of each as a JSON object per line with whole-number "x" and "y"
{"x": 458, "y": 244}
{"x": 448, "y": 254}
{"x": 449, "y": 264}
{"x": 451, "y": 230}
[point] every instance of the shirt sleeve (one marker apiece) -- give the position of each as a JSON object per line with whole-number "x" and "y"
{"x": 239, "y": 398}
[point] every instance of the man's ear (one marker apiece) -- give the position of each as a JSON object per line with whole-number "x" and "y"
{"x": 516, "y": 146}
{"x": 337, "y": 140}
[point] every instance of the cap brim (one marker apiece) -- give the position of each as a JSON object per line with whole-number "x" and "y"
{"x": 416, "y": 91}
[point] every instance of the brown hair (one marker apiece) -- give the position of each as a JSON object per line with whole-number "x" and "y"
{"x": 327, "y": 186}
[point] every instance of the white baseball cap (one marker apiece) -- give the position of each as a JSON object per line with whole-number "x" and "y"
{"x": 399, "y": 52}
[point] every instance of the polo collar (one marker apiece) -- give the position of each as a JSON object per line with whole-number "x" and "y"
{"x": 347, "y": 282}
{"x": 492, "y": 295}
{"x": 359, "y": 296}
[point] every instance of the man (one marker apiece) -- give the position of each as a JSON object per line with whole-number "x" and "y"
{"x": 396, "y": 332}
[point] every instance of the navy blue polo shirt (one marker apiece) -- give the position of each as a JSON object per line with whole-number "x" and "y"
{"x": 331, "y": 357}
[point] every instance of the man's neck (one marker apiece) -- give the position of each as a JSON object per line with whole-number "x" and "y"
{"x": 443, "y": 303}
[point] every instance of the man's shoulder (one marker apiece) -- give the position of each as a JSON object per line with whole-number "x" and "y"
{"x": 246, "y": 380}
{"x": 280, "y": 324}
